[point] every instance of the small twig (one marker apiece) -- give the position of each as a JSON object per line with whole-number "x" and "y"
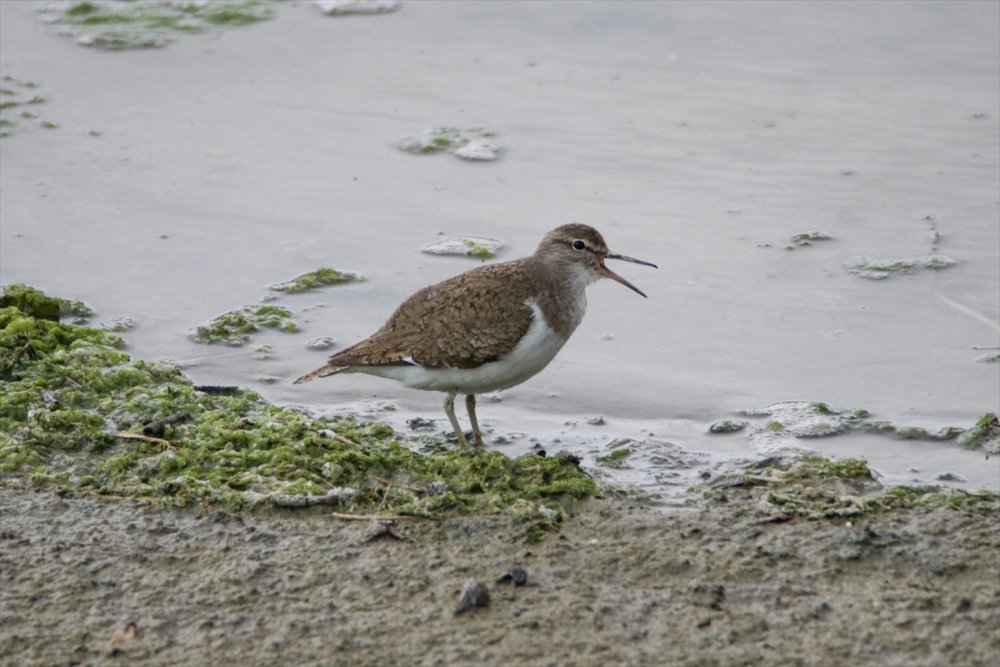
{"x": 385, "y": 497}
{"x": 216, "y": 390}
{"x": 332, "y": 497}
{"x": 389, "y": 482}
{"x": 371, "y": 517}
{"x": 144, "y": 438}
{"x": 341, "y": 439}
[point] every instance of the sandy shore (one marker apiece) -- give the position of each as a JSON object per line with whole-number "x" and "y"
{"x": 620, "y": 585}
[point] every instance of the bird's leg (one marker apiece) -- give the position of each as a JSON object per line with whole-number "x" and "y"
{"x": 470, "y": 405}
{"x": 449, "y": 409}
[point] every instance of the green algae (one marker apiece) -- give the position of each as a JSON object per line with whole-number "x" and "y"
{"x": 815, "y": 487}
{"x": 817, "y": 467}
{"x": 433, "y": 141}
{"x": 315, "y": 279}
{"x": 984, "y": 434}
{"x": 37, "y": 304}
{"x": 469, "y": 143}
{"x": 616, "y": 458}
{"x": 235, "y": 327}
{"x": 15, "y": 95}
{"x": 73, "y": 408}
{"x": 814, "y": 502}
{"x": 115, "y": 25}
{"x": 477, "y": 250}
{"x": 807, "y": 238}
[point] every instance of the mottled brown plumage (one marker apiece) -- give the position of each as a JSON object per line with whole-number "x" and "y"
{"x": 462, "y": 322}
{"x": 475, "y": 321}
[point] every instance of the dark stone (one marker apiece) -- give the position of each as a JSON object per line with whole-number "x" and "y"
{"x": 476, "y": 594}
{"x": 517, "y": 575}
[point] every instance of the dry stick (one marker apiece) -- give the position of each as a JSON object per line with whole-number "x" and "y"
{"x": 144, "y": 438}
{"x": 370, "y": 517}
{"x": 342, "y": 440}
{"x": 389, "y": 482}
{"x": 385, "y": 497}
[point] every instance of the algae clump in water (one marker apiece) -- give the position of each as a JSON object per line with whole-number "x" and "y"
{"x": 476, "y": 250}
{"x": 314, "y": 279}
{"x": 116, "y": 25}
{"x": 235, "y": 327}
{"x": 616, "y": 458}
{"x": 985, "y": 433}
{"x": 469, "y": 143}
{"x": 36, "y": 304}
{"x": 16, "y": 96}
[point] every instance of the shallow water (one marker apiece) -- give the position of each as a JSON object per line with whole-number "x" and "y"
{"x": 698, "y": 136}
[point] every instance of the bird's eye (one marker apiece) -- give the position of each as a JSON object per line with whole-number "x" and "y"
{"x": 579, "y": 245}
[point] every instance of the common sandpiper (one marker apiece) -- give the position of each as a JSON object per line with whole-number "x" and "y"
{"x": 489, "y": 328}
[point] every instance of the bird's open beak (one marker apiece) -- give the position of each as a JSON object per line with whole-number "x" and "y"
{"x": 614, "y": 276}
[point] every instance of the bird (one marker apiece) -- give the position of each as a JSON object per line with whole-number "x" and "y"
{"x": 487, "y": 329}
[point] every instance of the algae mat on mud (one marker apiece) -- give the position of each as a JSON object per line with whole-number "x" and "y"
{"x": 74, "y": 407}
{"x": 813, "y": 487}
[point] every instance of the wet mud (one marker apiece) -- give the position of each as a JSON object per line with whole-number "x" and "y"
{"x": 94, "y": 582}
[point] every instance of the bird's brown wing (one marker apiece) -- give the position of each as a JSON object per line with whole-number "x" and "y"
{"x": 463, "y": 322}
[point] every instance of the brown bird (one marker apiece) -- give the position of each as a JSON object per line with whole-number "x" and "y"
{"x": 489, "y": 328}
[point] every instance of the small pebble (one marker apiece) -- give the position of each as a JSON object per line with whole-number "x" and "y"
{"x": 479, "y": 150}
{"x": 437, "y": 488}
{"x": 516, "y": 575}
{"x": 420, "y": 424}
{"x": 118, "y": 324}
{"x": 121, "y": 638}
{"x": 476, "y": 594}
{"x": 322, "y": 343}
{"x": 727, "y": 426}
{"x": 340, "y": 7}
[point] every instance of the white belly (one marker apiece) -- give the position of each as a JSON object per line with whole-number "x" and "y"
{"x": 532, "y": 353}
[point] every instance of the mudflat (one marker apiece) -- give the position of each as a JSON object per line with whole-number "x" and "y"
{"x": 94, "y": 581}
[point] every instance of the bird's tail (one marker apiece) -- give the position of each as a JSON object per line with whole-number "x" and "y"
{"x": 321, "y": 373}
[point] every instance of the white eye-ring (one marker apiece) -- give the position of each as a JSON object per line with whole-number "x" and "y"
{"x": 579, "y": 245}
